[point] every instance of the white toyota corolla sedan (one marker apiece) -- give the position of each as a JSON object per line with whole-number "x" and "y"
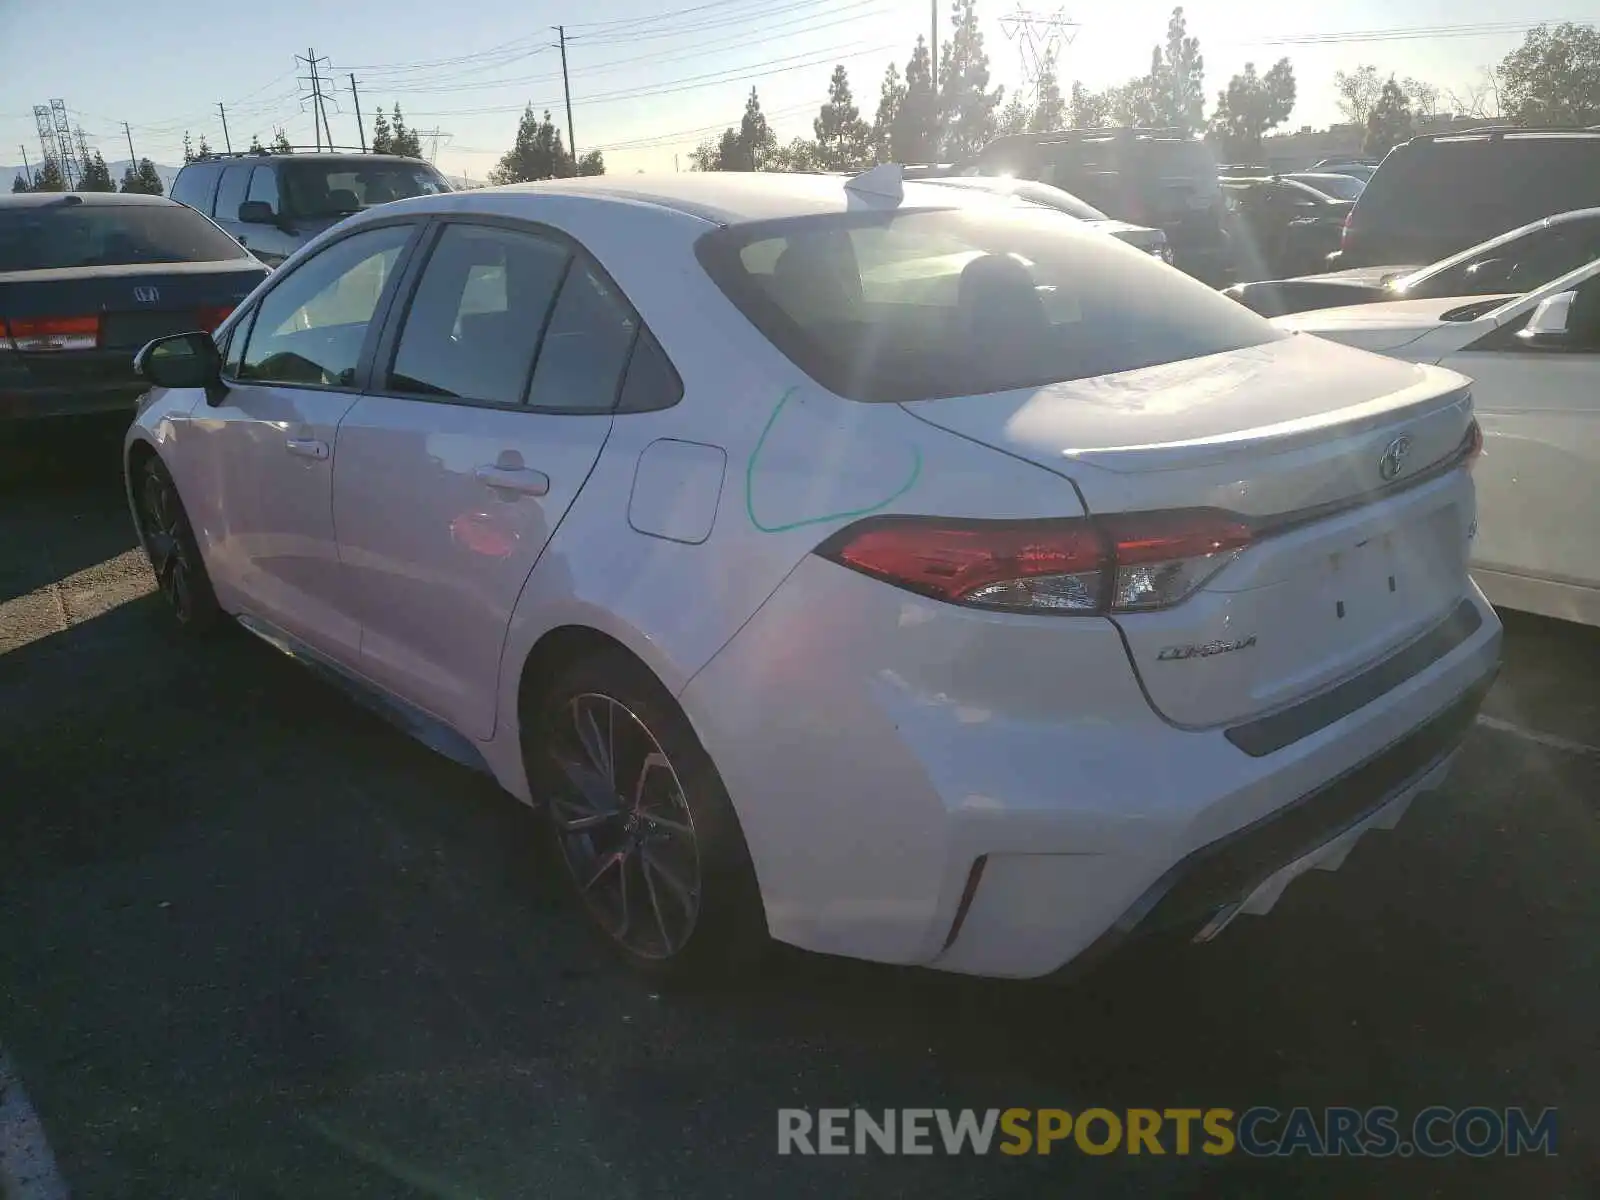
{"x": 867, "y": 565}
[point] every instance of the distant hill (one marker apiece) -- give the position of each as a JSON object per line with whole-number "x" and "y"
{"x": 168, "y": 174}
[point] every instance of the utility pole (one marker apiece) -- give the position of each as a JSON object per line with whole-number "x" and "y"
{"x": 227, "y": 142}
{"x": 360, "y": 128}
{"x": 27, "y": 170}
{"x": 572, "y": 141}
{"x": 133, "y": 159}
{"x": 933, "y": 46}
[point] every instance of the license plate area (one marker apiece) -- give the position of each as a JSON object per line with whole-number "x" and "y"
{"x": 134, "y": 329}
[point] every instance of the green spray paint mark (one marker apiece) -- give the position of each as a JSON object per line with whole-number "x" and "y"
{"x": 750, "y": 473}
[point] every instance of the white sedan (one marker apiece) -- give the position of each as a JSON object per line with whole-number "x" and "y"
{"x": 859, "y": 564}
{"x": 1534, "y": 359}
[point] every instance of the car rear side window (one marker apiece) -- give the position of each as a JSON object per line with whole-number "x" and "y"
{"x": 652, "y": 381}
{"x": 232, "y": 190}
{"x": 61, "y": 234}
{"x": 264, "y": 187}
{"x": 917, "y": 305}
{"x": 474, "y": 322}
{"x": 586, "y": 345}
{"x": 196, "y": 184}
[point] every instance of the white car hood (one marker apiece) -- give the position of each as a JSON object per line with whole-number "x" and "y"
{"x": 1380, "y": 327}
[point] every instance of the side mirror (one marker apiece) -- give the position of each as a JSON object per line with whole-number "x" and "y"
{"x": 257, "y": 212}
{"x": 182, "y": 360}
{"x": 1549, "y": 324}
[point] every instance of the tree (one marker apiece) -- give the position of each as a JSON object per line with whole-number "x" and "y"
{"x": 1086, "y": 109}
{"x": 1480, "y": 99}
{"x": 843, "y": 138}
{"x": 1553, "y": 78}
{"x": 800, "y": 155}
{"x": 382, "y": 134}
{"x": 1013, "y": 117}
{"x": 914, "y": 137}
{"x": 966, "y": 108}
{"x": 1389, "y": 123}
{"x": 406, "y": 141}
{"x": 1134, "y": 103}
{"x": 537, "y": 153}
{"x": 255, "y": 144}
{"x": 19, "y": 184}
{"x": 756, "y": 141}
{"x": 891, "y": 99}
{"x": 96, "y": 175}
{"x": 280, "y": 142}
{"x": 1358, "y": 91}
{"x": 1424, "y": 97}
{"x": 142, "y": 179}
{"x": 592, "y": 163}
{"x": 1178, "y": 78}
{"x": 1050, "y": 107}
{"x": 48, "y": 178}
{"x": 204, "y": 149}
{"x": 1252, "y": 105}
{"x": 188, "y": 149}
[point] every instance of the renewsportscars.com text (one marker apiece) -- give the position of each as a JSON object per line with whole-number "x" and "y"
{"x": 1380, "y": 1132}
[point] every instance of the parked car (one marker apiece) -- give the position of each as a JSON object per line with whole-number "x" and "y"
{"x": 1357, "y": 168}
{"x": 1330, "y": 183}
{"x": 276, "y": 203}
{"x": 1282, "y": 226}
{"x": 1514, "y": 262}
{"x": 1141, "y": 237}
{"x": 1158, "y": 178}
{"x": 883, "y": 569}
{"x": 1534, "y": 358}
{"x": 1439, "y": 194}
{"x": 86, "y": 278}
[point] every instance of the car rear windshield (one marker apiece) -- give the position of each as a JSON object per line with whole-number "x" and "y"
{"x": 45, "y": 237}
{"x": 1335, "y": 187}
{"x": 1478, "y": 184}
{"x": 342, "y": 186}
{"x": 922, "y": 304}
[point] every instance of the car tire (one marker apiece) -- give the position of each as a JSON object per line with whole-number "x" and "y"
{"x": 174, "y": 554}
{"x": 651, "y": 848}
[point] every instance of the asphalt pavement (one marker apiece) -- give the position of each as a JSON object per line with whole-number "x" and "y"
{"x": 255, "y": 943}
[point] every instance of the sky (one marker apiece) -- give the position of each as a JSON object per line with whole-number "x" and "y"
{"x": 649, "y": 80}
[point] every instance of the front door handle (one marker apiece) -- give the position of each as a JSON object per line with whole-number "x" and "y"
{"x": 307, "y": 448}
{"x": 523, "y": 480}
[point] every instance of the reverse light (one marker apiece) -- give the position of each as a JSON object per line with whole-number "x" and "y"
{"x": 1134, "y": 562}
{"x": 32, "y": 335}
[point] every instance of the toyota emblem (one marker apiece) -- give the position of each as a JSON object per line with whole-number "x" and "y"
{"x": 1394, "y": 457}
{"x": 146, "y": 295}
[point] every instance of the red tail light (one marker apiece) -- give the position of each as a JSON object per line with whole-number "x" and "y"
{"x": 1074, "y": 566}
{"x": 213, "y": 315}
{"x": 30, "y": 335}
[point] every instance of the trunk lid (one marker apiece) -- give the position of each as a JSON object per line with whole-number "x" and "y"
{"x": 1348, "y": 562}
{"x": 136, "y": 301}
{"x": 1386, "y": 325}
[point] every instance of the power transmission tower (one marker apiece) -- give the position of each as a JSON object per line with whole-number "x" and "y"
{"x": 55, "y": 139}
{"x": 434, "y": 135}
{"x": 1040, "y": 38}
{"x": 316, "y": 96}
{"x": 572, "y": 141}
{"x": 83, "y": 146}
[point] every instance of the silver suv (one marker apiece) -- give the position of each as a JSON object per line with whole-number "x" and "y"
{"x": 276, "y": 203}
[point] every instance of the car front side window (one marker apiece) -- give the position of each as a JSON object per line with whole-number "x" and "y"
{"x": 309, "y": 330}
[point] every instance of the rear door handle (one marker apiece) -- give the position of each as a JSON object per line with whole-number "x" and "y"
{"x": 524, "y": 480}
{"x": 307, "y": 448}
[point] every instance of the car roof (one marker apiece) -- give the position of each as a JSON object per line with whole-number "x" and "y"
{"x": 84, "y": 199}
{"x": 734, "y": 197}
{"x": 327, "y": 156}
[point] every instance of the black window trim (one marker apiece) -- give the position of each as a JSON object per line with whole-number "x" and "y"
{"x": 388, "y": 344}
{"x": 417, "y": 226}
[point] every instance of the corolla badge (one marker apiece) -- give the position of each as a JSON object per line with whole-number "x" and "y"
{"x": 1204, "y": 649}
{"x": 146, "y": 295}
{"x": 1393, "y": 460}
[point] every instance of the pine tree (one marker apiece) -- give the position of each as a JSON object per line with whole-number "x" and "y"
{"x": 406, "y": 141}
{"x": 756, "y": 141}
{"x": 280, "y": 143}
{"x": 1086, "y": 109}
{"x": 48, "y": 178}
{"x": 255, "y": 144}
{"x": 592, "y": 163}
{"x": 142, "y": 179}
{"x": 188, "y": 149}
{"x": 843, "y": 138}
{"x": 96, "y": 175}
{"x": 913, "y": 137}
{"x": 382, "y": 134}
{"x": 966, "y": 106}
{"x": 204, "y": 150}
{"x": 537, "y": 153}
{"x": 1177, "y": 78}
{"x": 1389, "y": 123}
{"x": 1014, "y": 117}
{"x": 891, "y": 98}
{"x": 19, "y": 184}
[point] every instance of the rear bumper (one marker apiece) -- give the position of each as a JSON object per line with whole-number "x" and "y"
{"x": 91, "y": 382}
{"x": 925, "y": 784}
{"x": 38, "y": 403}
